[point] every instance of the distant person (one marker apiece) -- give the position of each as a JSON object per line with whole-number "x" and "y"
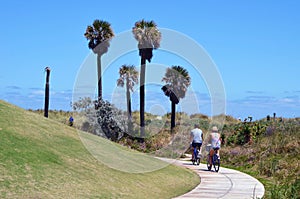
{"x": 215, "y": 141}
{"x": 196, "y": 138}
{"x": 71, "y": 121}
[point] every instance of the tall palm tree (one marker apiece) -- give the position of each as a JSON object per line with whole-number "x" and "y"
{"x": 148, "y": 37}
{"x": 177, "y": 81}
{"x": 47, "y": 69}
{"x": 99, "y": 35}
{"x": 128, "y": 75}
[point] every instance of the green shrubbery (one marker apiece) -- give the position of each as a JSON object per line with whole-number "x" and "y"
{"x": 271, "y": 153}
{"x": 243, "y": 133}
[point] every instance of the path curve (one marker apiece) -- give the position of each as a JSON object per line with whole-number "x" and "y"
{"x": 227, "y": 183}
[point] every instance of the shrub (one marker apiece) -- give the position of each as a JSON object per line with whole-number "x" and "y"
{"x": 102, "y": 118}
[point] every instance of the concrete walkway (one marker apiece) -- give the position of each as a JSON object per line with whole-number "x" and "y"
{"x": 227, "y": 183}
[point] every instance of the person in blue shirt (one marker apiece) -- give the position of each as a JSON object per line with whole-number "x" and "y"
{"x": 71, "y": 121}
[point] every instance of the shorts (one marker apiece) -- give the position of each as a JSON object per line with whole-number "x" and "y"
{"x": 198, "y": 145}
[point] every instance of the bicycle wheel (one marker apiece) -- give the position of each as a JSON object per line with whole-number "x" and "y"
{"x": 195, "y": 160}
{"x": 216, "y": 162}
{"x": 198, "y": 160}
{"x": 208, "y": 165}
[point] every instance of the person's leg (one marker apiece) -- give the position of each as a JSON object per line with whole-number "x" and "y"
{"x": 193, "y": 147}
{"x": 199, "y": 149}
{"x": 193, "y": 153}
{"x": 218, "y": 152}
{"x": 211, "y": 153}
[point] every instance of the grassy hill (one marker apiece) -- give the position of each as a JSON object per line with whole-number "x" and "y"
{"x": 42, "y": 158}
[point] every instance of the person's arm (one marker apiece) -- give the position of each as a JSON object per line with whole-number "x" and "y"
{"x": 191, "y": 139}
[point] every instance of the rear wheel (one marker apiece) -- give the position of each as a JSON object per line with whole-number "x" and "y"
{"x": 198, "y": 161}
{"x": 208, "y": 165}
{"x": 198, "y": 157}
{"x": 195, "y": 160}
{"x": 216, "y": 162}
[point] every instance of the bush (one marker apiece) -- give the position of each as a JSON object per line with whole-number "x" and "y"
{"x": 111, "y": 120}
{"x": 102, "y": 118}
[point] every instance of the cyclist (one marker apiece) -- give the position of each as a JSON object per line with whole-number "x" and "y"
{"x": 215, "y": 141}
{"x": 196, "y": 139}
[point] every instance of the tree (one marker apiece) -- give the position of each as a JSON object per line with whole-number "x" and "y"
{"x": 110, "y": 119}
{"x": 99, "y": 36}
{"x": 102, "y": 118}
{"x": 128, "y": 75}
{"x": 177, "y": 81}
{"x": 47, "y": 69}
{"x": 148, "y": 37}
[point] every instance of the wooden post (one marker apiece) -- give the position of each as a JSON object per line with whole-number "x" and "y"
{"x": 47, "y": 69}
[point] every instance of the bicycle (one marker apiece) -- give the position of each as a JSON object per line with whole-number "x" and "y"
{"x": 197, "y": 156}
{"x": 215, "y": 160}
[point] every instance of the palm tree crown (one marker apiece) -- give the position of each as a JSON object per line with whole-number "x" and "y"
{"x": 128, "y": 74}
{"x": 177, "y": 81}
{"x": 148, "y": 37}
{"x": 99, "y": 33}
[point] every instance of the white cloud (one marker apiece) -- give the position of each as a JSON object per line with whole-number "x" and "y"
{"x": 37, "y": 92}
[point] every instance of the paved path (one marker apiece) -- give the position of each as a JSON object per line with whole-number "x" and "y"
{"x": 227, "y": 183}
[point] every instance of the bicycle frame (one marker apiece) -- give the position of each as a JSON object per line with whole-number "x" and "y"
{"x": 196, "y": 156}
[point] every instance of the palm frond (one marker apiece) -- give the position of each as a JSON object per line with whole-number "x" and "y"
{"x": 129, "y": 74}
{"x": 178, "y": 80}
{"x": 147, "y": 34}
{"x": 99, "y": 32}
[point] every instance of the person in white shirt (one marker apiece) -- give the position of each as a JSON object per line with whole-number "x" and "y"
{"x": 215, "y": 141}
{"x": 196, "y": 138}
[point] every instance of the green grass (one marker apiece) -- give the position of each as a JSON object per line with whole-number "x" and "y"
{"x": 42, "y": 158}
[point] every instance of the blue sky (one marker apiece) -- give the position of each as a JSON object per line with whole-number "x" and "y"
{"x": 254, "y": 44}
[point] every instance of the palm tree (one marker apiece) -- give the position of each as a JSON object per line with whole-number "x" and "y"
{"x": 47, "y": 69}
{"x": 148, "y": 37}
{"x": 99, "y": 35}
{"x": 177, "y": 81}
{"x": 128, "y": 75}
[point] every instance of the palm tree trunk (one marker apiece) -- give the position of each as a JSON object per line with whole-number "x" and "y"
{"x": 142, "y": 98}
{"x": 173, "y": 116}
{"x": 47, "y": 93}
{"x": 130, "y": 126}
{"x": 128, "y": 103}
{"x": 99, "y": 69}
